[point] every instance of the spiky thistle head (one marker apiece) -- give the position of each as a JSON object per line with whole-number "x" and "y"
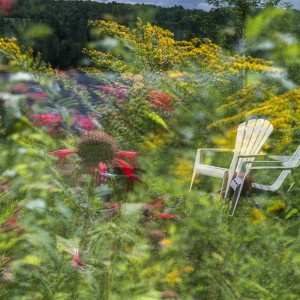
{"x": 96, "y": 146}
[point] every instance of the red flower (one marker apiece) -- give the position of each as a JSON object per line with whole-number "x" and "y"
{"x": 126, "y": 169}
{"x": 130, "y": 155}
{"x": 47, "y": 119}
{"x": 75, "y": 262}
{"x": 62, "y": 153}
{"x": 154, "y": 204}
{"x": 160, "y": 99}
{"x": 165, "y": 216}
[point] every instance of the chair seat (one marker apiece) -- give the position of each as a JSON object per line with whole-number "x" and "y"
{"x": 210, "y": 171}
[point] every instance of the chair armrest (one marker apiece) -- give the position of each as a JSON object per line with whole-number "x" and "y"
{"x": 246, "y": 162}
{"x": 200, "y": 151}
{"x": 251, "y": 155}
{"x": 215, "y": 149}
{"x": 280, "y": 158}
{"x": 272, "y": 168}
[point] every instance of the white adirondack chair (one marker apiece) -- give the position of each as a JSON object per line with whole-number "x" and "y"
{"x": 285, "y": 164}
{"x": 250, "y": 138}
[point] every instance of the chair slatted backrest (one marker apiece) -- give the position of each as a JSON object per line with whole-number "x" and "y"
{"x": 251, "y": 136}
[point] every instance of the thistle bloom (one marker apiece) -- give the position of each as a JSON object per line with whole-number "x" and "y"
{"x": 98, "y": 149}
{"x": 75, "y": 262}
{"x": 95, "y": 147}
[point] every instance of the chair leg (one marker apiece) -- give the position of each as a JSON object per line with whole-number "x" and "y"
{"x": 236, "y": 196}
{"x": 193, "y": 178}
{"x": 223, "y": 192}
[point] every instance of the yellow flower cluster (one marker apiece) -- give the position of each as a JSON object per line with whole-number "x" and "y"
{"x": 173, "y": 277}
{"x": 153, "y": 48}
{"x": 258, "y": 215}
{"x": 277, "y": 206}
{"x": 22, "y": 59}
{"x": 258, "y": 100}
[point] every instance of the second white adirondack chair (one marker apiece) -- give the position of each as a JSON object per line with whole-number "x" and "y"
{"x": 285, "y": 164}
{"x": 250, "y": 138}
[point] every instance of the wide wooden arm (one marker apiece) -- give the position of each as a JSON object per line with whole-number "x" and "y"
{"x": 246, "y": 162}
{"x": 271, "y": 168}
{"x": 251, "y": 155}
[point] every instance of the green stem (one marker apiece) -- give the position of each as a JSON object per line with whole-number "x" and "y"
{"x": 88, "y": 213}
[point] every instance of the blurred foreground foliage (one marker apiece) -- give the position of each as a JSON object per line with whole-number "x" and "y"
{"x": 161, "y": 98}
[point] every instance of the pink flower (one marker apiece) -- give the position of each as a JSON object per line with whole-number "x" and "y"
{"x": 38, "y": 95}
{"x": 75, "y": 262}
{"x": 62, "y": 153}
{"x": 165, "y": 216}
{"x": 103, "y": 172}
{"x": 6, "y": 5}
{"x": 47, "y": 119}
{"x": 85, "y": 122}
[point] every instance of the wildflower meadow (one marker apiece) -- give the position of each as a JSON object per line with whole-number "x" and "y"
{"x": 97, "y": 157}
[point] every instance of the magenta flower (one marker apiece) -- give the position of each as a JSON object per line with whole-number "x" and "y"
{"x": 84, "y": 122}
{"x": 103, "y": 172}
{"x": 47, "y": 119}
{"x": 38, "y": 95}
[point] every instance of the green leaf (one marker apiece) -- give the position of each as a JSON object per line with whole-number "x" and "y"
{"x": 156, "y": 118}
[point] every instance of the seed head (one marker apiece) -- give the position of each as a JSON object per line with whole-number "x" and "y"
{"x": 96, "y": 146}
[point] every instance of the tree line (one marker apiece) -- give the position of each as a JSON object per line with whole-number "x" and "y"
{"x": 59, "y": 29}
